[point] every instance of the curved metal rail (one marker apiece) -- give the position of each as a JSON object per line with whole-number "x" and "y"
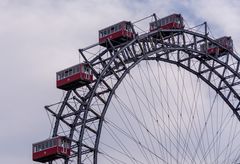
{"x": 82, "y": 110}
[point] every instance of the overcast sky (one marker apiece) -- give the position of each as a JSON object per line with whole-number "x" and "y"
{"x": 41, "y": 37}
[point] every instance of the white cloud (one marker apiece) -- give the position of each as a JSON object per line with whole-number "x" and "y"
{"x": 40, "y": 37}
{"x": 221, "y": 16}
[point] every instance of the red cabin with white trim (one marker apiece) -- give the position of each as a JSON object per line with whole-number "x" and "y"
{"x": 74, "y": 77}
{"x": 214, "y": 49}
{"x": 174, "y": 21}
{"x": 51, "y": 149}
{"x": 118, "y": 33}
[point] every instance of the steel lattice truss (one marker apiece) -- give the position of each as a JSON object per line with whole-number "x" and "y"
{"x": 81, "y": 113}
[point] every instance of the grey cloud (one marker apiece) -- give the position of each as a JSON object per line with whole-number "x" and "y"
{"x": 40, "y": 37}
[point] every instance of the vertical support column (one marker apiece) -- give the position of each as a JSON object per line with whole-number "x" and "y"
{"x": 205, "y": 26}
{"x": 206, "y": 35}
{"x": 155, "y": 17}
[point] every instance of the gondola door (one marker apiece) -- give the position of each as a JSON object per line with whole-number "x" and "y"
{"x": 65, "y": 147}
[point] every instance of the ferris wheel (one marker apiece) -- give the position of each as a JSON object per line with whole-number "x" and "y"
{"x": 166, "y": 95}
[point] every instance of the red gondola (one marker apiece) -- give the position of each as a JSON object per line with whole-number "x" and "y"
{"x": 51, "y": 149}
{"x": 174, "y": 21}
{"x": 214, "y": 49}
{"x": 74, "y": 77}
{"x": 118, "y": 33}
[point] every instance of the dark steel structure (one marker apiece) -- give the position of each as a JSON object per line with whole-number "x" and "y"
{"x": 82, "y": 110}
